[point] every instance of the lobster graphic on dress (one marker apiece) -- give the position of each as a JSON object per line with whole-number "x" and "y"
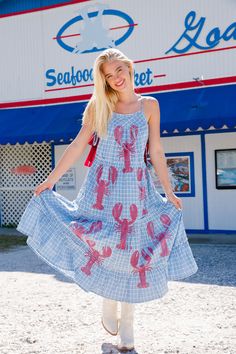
{"x": 143, "y": 267}
{"x": 79, "y": 230}
{"x": 102, "y": 185}
{"x": 95, "y": 257}
{"x": 142, "y": 189}
{"x": 124, "y": 226}
{"x": 128, "y": 148}
{"x": 162, "y": 236}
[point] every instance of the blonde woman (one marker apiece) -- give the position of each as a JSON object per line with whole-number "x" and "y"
{"x": 119, "y": 238}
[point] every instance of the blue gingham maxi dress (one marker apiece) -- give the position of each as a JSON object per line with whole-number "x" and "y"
{"x": 119, "y": 238}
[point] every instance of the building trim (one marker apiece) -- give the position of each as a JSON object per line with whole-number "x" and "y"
{"x": 220, "y": 81}
{"x": 42, "y": 8}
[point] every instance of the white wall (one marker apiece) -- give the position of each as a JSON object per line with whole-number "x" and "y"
{"x": 80, "y": 171}
{"x": 221, "y": 202}
{"x": 192, "y": 206}
{"x": 29, "y": 48}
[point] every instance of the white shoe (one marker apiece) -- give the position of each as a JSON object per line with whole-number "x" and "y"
{"x": 110, "y": 320}
{"x": 126, "y": 330}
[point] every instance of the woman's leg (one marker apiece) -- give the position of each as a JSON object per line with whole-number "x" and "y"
{"x": 126, "y": 329}
{"x": 109, "y": 316}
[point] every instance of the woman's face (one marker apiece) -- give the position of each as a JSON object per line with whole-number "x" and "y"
{"x": 117, "y": 75}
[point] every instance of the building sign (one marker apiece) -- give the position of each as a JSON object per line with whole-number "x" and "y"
{"x": 56, "y": 63}
{"x": 67, "y": 181}
{"x": 89, "y": 31}
{"x": 23, "y": 170}
{"x": 194, "y": 35}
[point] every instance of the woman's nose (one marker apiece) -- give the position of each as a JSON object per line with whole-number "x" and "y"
{"x": 117, "y": 77}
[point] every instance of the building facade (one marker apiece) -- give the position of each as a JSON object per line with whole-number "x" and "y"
{"x": 184, "y": 55}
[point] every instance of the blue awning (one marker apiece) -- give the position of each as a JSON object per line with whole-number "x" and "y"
{"x": 201, "y": 107}
{"x": 40, "y": 123}
{"x": 186, "y": 109}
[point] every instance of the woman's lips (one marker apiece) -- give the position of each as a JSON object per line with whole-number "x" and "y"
{"x": 120, "y": 83}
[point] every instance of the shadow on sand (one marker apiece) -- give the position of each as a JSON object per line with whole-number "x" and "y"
{"x": 109, "y": 348}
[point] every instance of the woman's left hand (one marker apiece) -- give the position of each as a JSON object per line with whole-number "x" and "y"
{"x": 175, "y": 200}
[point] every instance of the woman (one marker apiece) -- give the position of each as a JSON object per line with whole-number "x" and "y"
{"x": 119, "y": 238}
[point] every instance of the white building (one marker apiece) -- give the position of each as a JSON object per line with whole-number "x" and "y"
{"x": 184, "y": 54}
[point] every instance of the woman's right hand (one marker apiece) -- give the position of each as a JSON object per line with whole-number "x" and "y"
{"x": 42, "y": 186}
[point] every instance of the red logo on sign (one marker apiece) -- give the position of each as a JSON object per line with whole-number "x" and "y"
{"x": 23, "y": 170}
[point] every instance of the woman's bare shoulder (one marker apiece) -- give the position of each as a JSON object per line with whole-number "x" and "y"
{"x": 150, "y": 105}
{"x": 150, "y": 101}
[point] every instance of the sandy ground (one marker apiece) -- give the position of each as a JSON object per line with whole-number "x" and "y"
{"x": 43, "y": 312}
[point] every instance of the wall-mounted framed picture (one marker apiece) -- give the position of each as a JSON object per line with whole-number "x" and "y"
{"x": 181, "y": 172}
{"x": 225, "y": 168}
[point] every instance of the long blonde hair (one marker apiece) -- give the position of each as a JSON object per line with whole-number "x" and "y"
{"x": 102, "y": 103}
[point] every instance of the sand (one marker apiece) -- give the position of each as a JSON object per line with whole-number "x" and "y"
{"x": 43, "y": 312}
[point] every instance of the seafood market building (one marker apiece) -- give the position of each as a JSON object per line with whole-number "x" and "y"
{"x": 184, "y": 56}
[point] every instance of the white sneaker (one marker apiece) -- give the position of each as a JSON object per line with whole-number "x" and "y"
{"x": 126, "y": 330}
{"x": 109, "y": 319}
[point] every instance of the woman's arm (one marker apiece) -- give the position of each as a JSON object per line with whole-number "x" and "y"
{"x": 69, "y": 157}
{"x": 71, "y": 154}
{"x": 156, "y": 150}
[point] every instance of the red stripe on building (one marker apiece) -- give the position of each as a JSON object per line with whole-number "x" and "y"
{"x": 183, "y": 55}
{"x": 153, "y": 89}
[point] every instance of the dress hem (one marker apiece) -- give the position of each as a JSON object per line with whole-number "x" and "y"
{"x": 34, "y": 248}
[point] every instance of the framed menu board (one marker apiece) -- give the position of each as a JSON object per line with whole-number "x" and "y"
{"x": 225, "y": 168}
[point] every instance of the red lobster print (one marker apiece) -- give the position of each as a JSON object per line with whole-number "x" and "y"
{"x": 162, "y": 236}
{"x": 102, "y": 185}
{"x": 142, "y": 189}
{"x": 142, "y": 268}
{"x": 124, "y": 226}
{"x": 128, "y": 148}
{"x": 79, "y": 230}
{"x": 94, "y": 256}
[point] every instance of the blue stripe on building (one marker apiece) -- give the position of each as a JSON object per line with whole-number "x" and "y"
{"x": 180, "y": 110}
{"x": 11, "y": 6}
